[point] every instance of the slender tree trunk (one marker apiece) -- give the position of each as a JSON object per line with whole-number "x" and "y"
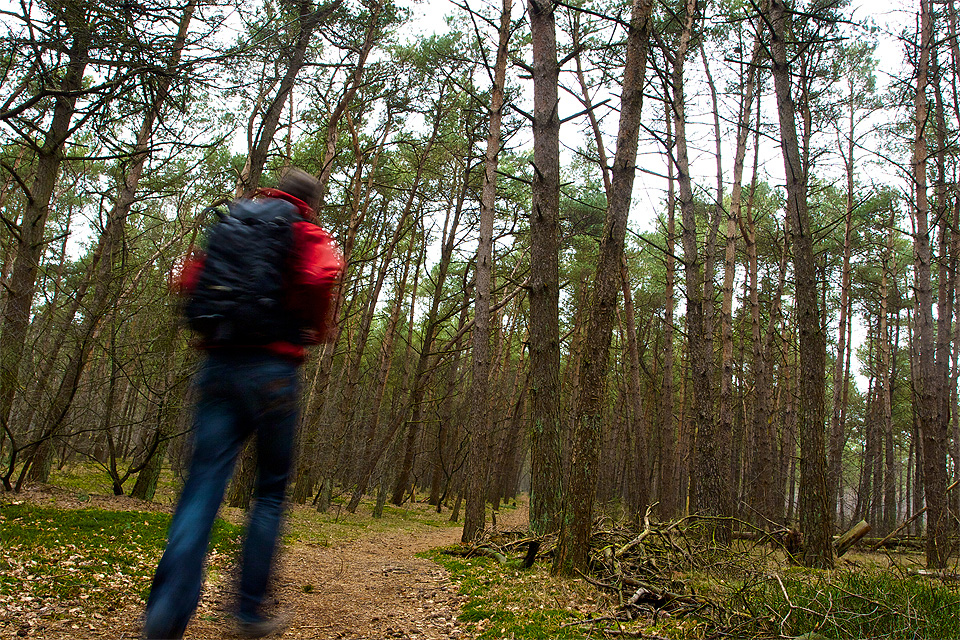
{"x": 816, "y": 513}
{"x": 885, "y": 377}
{"x": 727, "y": 400}
{"x": 573, "y": 546}
{"x": 480, "y": 426}
{"x": 839, "y": 380}
{"x": 709, "y": 477}
{"x": 669, "y": 490}
{"x": 544, "y": 286}
{"x": 637, "y": 425}
{"x": 926, "y": 379}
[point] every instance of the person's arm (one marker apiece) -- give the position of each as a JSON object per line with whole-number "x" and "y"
{"x": 315, "y": 267}
{"x": 186, "y": 272}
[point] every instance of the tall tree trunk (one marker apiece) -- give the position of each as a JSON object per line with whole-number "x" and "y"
{"x": 480, "y": 424}
{"x": 709, "y": 477}
{"x": 925, "y": 374}
{"x": 638, "y": 457}
{"x": 839, "y": 379}
{"x": 816, "y": 514}
{"x": 885, "y": 378}
{"x": 544, "y": 286}
{"x": 573, "y": 546}
{"x": 669, "y": 481}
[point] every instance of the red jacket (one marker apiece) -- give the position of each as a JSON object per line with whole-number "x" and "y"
{"x": 314, "y": 268}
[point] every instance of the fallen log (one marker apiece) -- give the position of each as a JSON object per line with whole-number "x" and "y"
{"x": 851, "y": 537}
{"x": 471, "y": 552}
{"x": 907, "y": 542}
{"x": 490, "y": 553}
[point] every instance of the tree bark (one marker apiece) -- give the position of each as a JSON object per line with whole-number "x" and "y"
{"x": 480, "y": 425}
{"x": 573, "y": 546}
{"x": 816, "y": 514}
{"x": 669, "y": 480}
{"x": 544, "y": 285}
{"x": 927, "y": 406}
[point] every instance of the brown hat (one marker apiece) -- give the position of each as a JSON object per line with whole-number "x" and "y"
{"x": 300, "y": 184}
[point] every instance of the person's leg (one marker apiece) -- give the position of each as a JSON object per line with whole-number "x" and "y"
{"x": 179, "y": 577}
{"x": 276, "y": 394}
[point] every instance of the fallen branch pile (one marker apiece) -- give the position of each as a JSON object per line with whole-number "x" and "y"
{"x": 743, "y": 589}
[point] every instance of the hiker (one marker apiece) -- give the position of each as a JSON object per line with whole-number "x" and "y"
{"x": 257, "y": 295}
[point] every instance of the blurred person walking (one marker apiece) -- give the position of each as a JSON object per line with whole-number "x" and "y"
{"x": 257, "y": 294}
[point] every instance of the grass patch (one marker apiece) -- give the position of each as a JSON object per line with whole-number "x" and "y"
{"x": 508, "y": 602}
{"x": 85, "y": 562}
{"x": 854, "y": 603}
{"x": 736, "y": 595}
{"x": 338, "y": 526}
{"x": 88, "y": 478}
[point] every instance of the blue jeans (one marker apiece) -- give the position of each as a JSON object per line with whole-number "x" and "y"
{"x": 240, "y": 393}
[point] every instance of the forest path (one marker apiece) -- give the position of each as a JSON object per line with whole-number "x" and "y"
{"x": 343, "y": 577}
{"x": 371, "y": 588}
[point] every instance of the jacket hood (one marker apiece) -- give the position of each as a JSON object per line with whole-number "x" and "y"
{"x": 305, "y": 210}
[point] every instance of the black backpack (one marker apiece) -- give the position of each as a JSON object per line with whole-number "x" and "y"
{"x": 239, "y": 298}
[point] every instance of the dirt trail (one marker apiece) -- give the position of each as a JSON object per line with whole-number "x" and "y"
{"x": 373, "y": 588}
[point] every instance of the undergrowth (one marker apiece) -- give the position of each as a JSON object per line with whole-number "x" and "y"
{"x": 85, "y": 563}
{"x": 88, "y": 478}
{"x": 337, "y": 525}
{"x": 849, "y": 603}
{"x": 506, "y": 601}
{"x": 741, "y": 593}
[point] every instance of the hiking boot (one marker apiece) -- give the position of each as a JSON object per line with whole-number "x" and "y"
{"x": 262, "y": 627}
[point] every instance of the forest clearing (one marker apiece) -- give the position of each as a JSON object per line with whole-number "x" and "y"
{"x": 679, "y": 276}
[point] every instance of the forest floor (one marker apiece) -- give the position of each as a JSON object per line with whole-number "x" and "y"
{"x": 346, "y": 577}
{"x": 76, "y": 563}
